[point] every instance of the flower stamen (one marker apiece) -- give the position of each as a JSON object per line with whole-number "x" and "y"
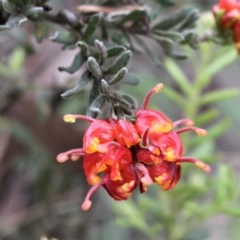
{"x": 198, "y": 131}
{"x": 73, "y": 153}
{"x": 87, "y": 203}
{"x": 203, "y": 166}
{"x": 156, "y": 89}
{"x": 71, "y": 118}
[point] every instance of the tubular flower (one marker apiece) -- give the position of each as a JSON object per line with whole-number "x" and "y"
{"x": 121, "y": 155}
{"x": 125, "y": 133}
{"x": 227, "y": 15}
{"x": 99, "y": 133}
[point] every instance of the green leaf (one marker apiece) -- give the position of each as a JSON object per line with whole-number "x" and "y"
{"x": 215, "y": 131}
{"x": 132, "y": 102}
{"x": 84, "y": 48}
{"x": 94, "y": 67}
{"x": 102, "y": 50}
{"x": 120, "y": 62}
{"x": 178, "y": 76}
{"x": 97, "y": 104}
{"x": 172, "y": 35}
{"x": 221, "y": 61}
{"x": 203, "y": 150}
{"x": 76, "y": 64}
{"x": 81, "y": 84}
{"x": 132, "y": 216}
{"x": 190, "y": 20}
{"x": 174, "y": 19}
{"x": 41, "y": 31}
{"x": 167, "y": 3}
{"x": 136, "y": 16}
{"x": 146, "y": 48}
{"x": 115, "y": 51}
{"x": 225, "y": 189}
{"x": 92, "y": 26}
{"x": 218, "y": 129}
{"x": 162, "y": 39}
{"x": 65, "y": 37}
{"x": 16, "y": 60}
{"x": 206, "y": 117}
{"x": 173, "y": 95}
{"x": 118, "y": 76}
{"x": 219, "y": 95}
{"x": 131, "y": 79}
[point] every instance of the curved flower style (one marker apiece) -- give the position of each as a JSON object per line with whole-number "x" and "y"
{"x": 121, "y": 155}
{"x": 227, "y": 15}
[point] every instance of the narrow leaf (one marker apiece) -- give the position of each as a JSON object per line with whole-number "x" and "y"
{"x": 76, "y": 64}
{"x": 120, "y": 62}
{"x": 118, "y": 76}
{"x": 92, "y": 26}
{"x": 172, "y": 20}
{"x": 144, "y": 45}
{"x": 219, "y": 95}
{"x": 84, "y": 48}
{"x": 206, "y": 117}
{"x": 81, "y": 84}
{"x": 65, "y": 37}
{"x": 173, "y": 35}
{"x": 131, "y": 79}
{"x": 173, "y": 95}
{"x": 97, "y": 104}
{"x": 222, "y": 61}
{"x": 115, "y": 51}
{"x": 94, "y": 67}
{"x": 178, "y": 75}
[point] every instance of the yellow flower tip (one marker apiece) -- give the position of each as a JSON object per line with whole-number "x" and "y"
{"x": 69, "y": 118}
{"x": 161, "y": 179}
{"x": 126, "y": 187}
{"x": 170, "y": 155}
{"x": 158, "y": 88}
{"x": 62, "y": 157}
{"x": 93, "y": 146}
{"x": 203, "y": 166}
{"x": 201, "y": 132}
{"x": 161, "y": 127}
{"x": 86, "y": 205}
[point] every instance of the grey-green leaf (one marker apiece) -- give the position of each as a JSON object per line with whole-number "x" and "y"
{"x": 65, "y": 37}
{"x": 92, "y": 26}
{"x": 76, "y": 64}
{"x": 94, "y": 67}
{"x": 131, "y": 79}
{"x": 120, "y": 62}
{"x": 96, "y": 106}
{"x": 118, "y": 76}
{"x": 81, "y": 84}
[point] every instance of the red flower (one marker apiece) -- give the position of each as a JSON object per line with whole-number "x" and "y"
{"x": 125, "y": 133}
{"x": 165, "y": 174}
{"x": 227, "y": 15}
{"x": 153, "y": 121}
{"x": 116, "y": 159}
{"x": 120, "y": 155}
{"x": 121, "y": 189}
{"x": 97, "y": 135}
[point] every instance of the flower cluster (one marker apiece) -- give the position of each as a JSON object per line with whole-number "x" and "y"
{"x": 227, "y": 15}
{"x": 122, "y": 155}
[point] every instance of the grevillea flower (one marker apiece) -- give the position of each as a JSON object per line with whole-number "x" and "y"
{"x": 227, "y": 15}
{"x": 121, "y": 155}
